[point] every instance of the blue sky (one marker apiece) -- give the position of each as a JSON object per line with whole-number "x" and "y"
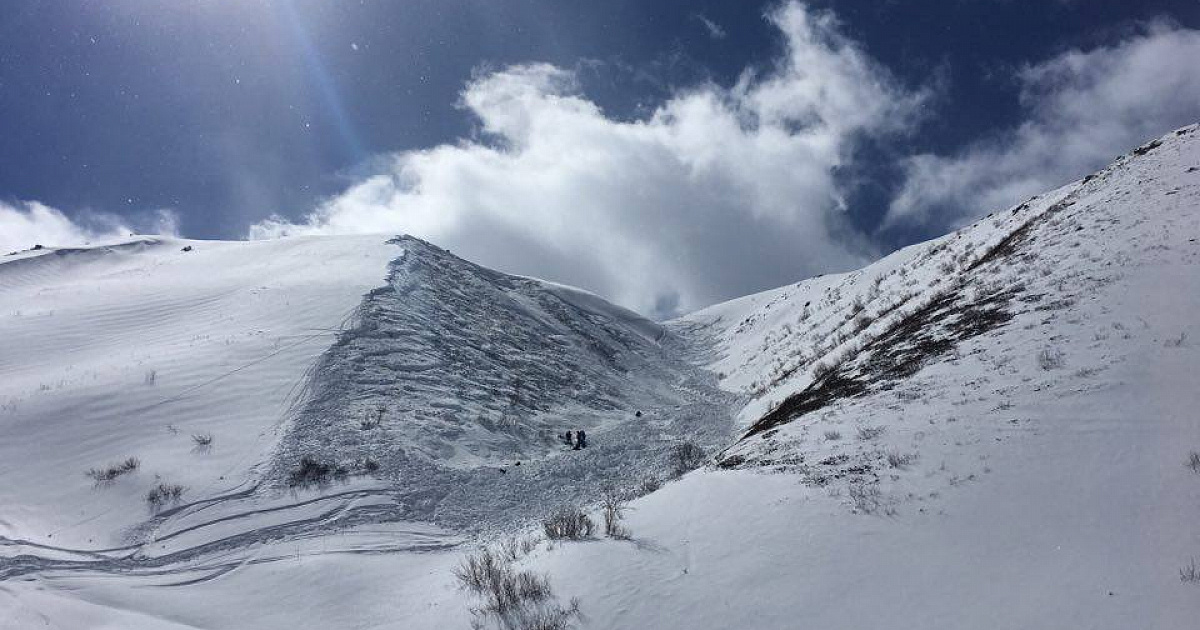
{"x": 663, "y": 153}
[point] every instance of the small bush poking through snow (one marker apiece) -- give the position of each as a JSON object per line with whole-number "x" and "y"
{"x": 870, "y": 433}
{"x": 202, "y": 442}
{"x": 511, "y": 599}
{"x": 510, "y": 549}
{"x": 1176, "y": 342}
{"x": 1193, "y": 462}
{"x": 900, "y": 460}
{"x": 478, "y": 572}
{"x": 1051, "y": 359}
{"x": 568, "y": 523}
{"x": 830, "y": 436}
{"x": 312, "y": 472}
{"x": 865, "y": 496}
{"x": 108, "y": 475}
{"x": 649, "y": 484}
{"x": 1190, "y": 573}
{"x": 612, "y": 505}
{"x": 164, "y": 494}
{"x": 685, "y": 457}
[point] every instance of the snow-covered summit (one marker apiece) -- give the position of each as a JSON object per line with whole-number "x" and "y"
{"x": 455, "y": 383}
{"x": 389, "y": 360}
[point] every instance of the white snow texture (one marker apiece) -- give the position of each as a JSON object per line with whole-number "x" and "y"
{"x": 988, "y": 430}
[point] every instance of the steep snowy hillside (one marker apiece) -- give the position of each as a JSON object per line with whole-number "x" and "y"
{"x": 989, "y": 430}
{"x": 456, "y": 382}
{"x": 129, "y": 350}
{"x": 174, "y": 406}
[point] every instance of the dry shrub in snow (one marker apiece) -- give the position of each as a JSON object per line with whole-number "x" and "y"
{"x": 513, "y": 548}
{"x": 511, "y": 599}
{"x": 649, "y": 484}
{"x": 1190, "y": 573}
{"x": 865, "y": 496}
{"x": 685, "y": 457}
{"x": 568, "y": 523}
{"x": 612, "y": 505}
{"x": 312, "y": 472}
{"x": 509, "y": 548}
{"x": 900, "y": 460}
{"x": 164, "y": 494}
{"x": 833, "y": 435}
{"x": 870, "y": 433}
{"x": 107, "y": 475}
{"x": 202, "y": 442}
{"x": 1051, "y": 359}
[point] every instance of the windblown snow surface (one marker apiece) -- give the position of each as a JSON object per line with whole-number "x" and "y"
{"x": 988, "y": 430}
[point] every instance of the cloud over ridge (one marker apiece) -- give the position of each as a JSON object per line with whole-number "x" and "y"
{"x": 719, "y": 189}
{"x": 1083, "y": 108}
{"x": 724, "y": 190}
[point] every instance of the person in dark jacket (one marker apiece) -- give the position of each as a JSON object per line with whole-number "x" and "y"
{"x": 580, "y": 439}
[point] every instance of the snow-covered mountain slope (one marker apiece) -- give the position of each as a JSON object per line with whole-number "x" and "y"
{"x": 456, "y": 381}
{"x": 128, "y": 350}
{"x": 431, "y": 390}
{"x": 988, "y": 430}
{"x": 1000, "y": 441}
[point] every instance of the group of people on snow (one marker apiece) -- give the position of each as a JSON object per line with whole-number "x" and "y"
{"x": 575, "y": 439}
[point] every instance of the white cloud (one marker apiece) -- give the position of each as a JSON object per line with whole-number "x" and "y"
{"x": 721, "y": 190}
{"x": 25, "y": 224}
{"x": 714, "y": 30}
{"x": 1084, "y": 108}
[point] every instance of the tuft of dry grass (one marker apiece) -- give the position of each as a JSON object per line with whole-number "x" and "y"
{"x": 870, "y": 433}
{"x": 900, "y": 460}
{"x": 866, "y": 497}
{"x": 164, "y": 494}
{"x": 1051, "y": 359}
{"x": 202, "y": 442}
{"x": 109, "y": 474}
{"x": 1193, "y": 462}
{"x": 1190, "y": 573}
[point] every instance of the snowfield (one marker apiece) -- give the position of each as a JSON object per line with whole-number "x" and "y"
{"x": 128, "y": 350}
{"x": 988, "y": 430}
